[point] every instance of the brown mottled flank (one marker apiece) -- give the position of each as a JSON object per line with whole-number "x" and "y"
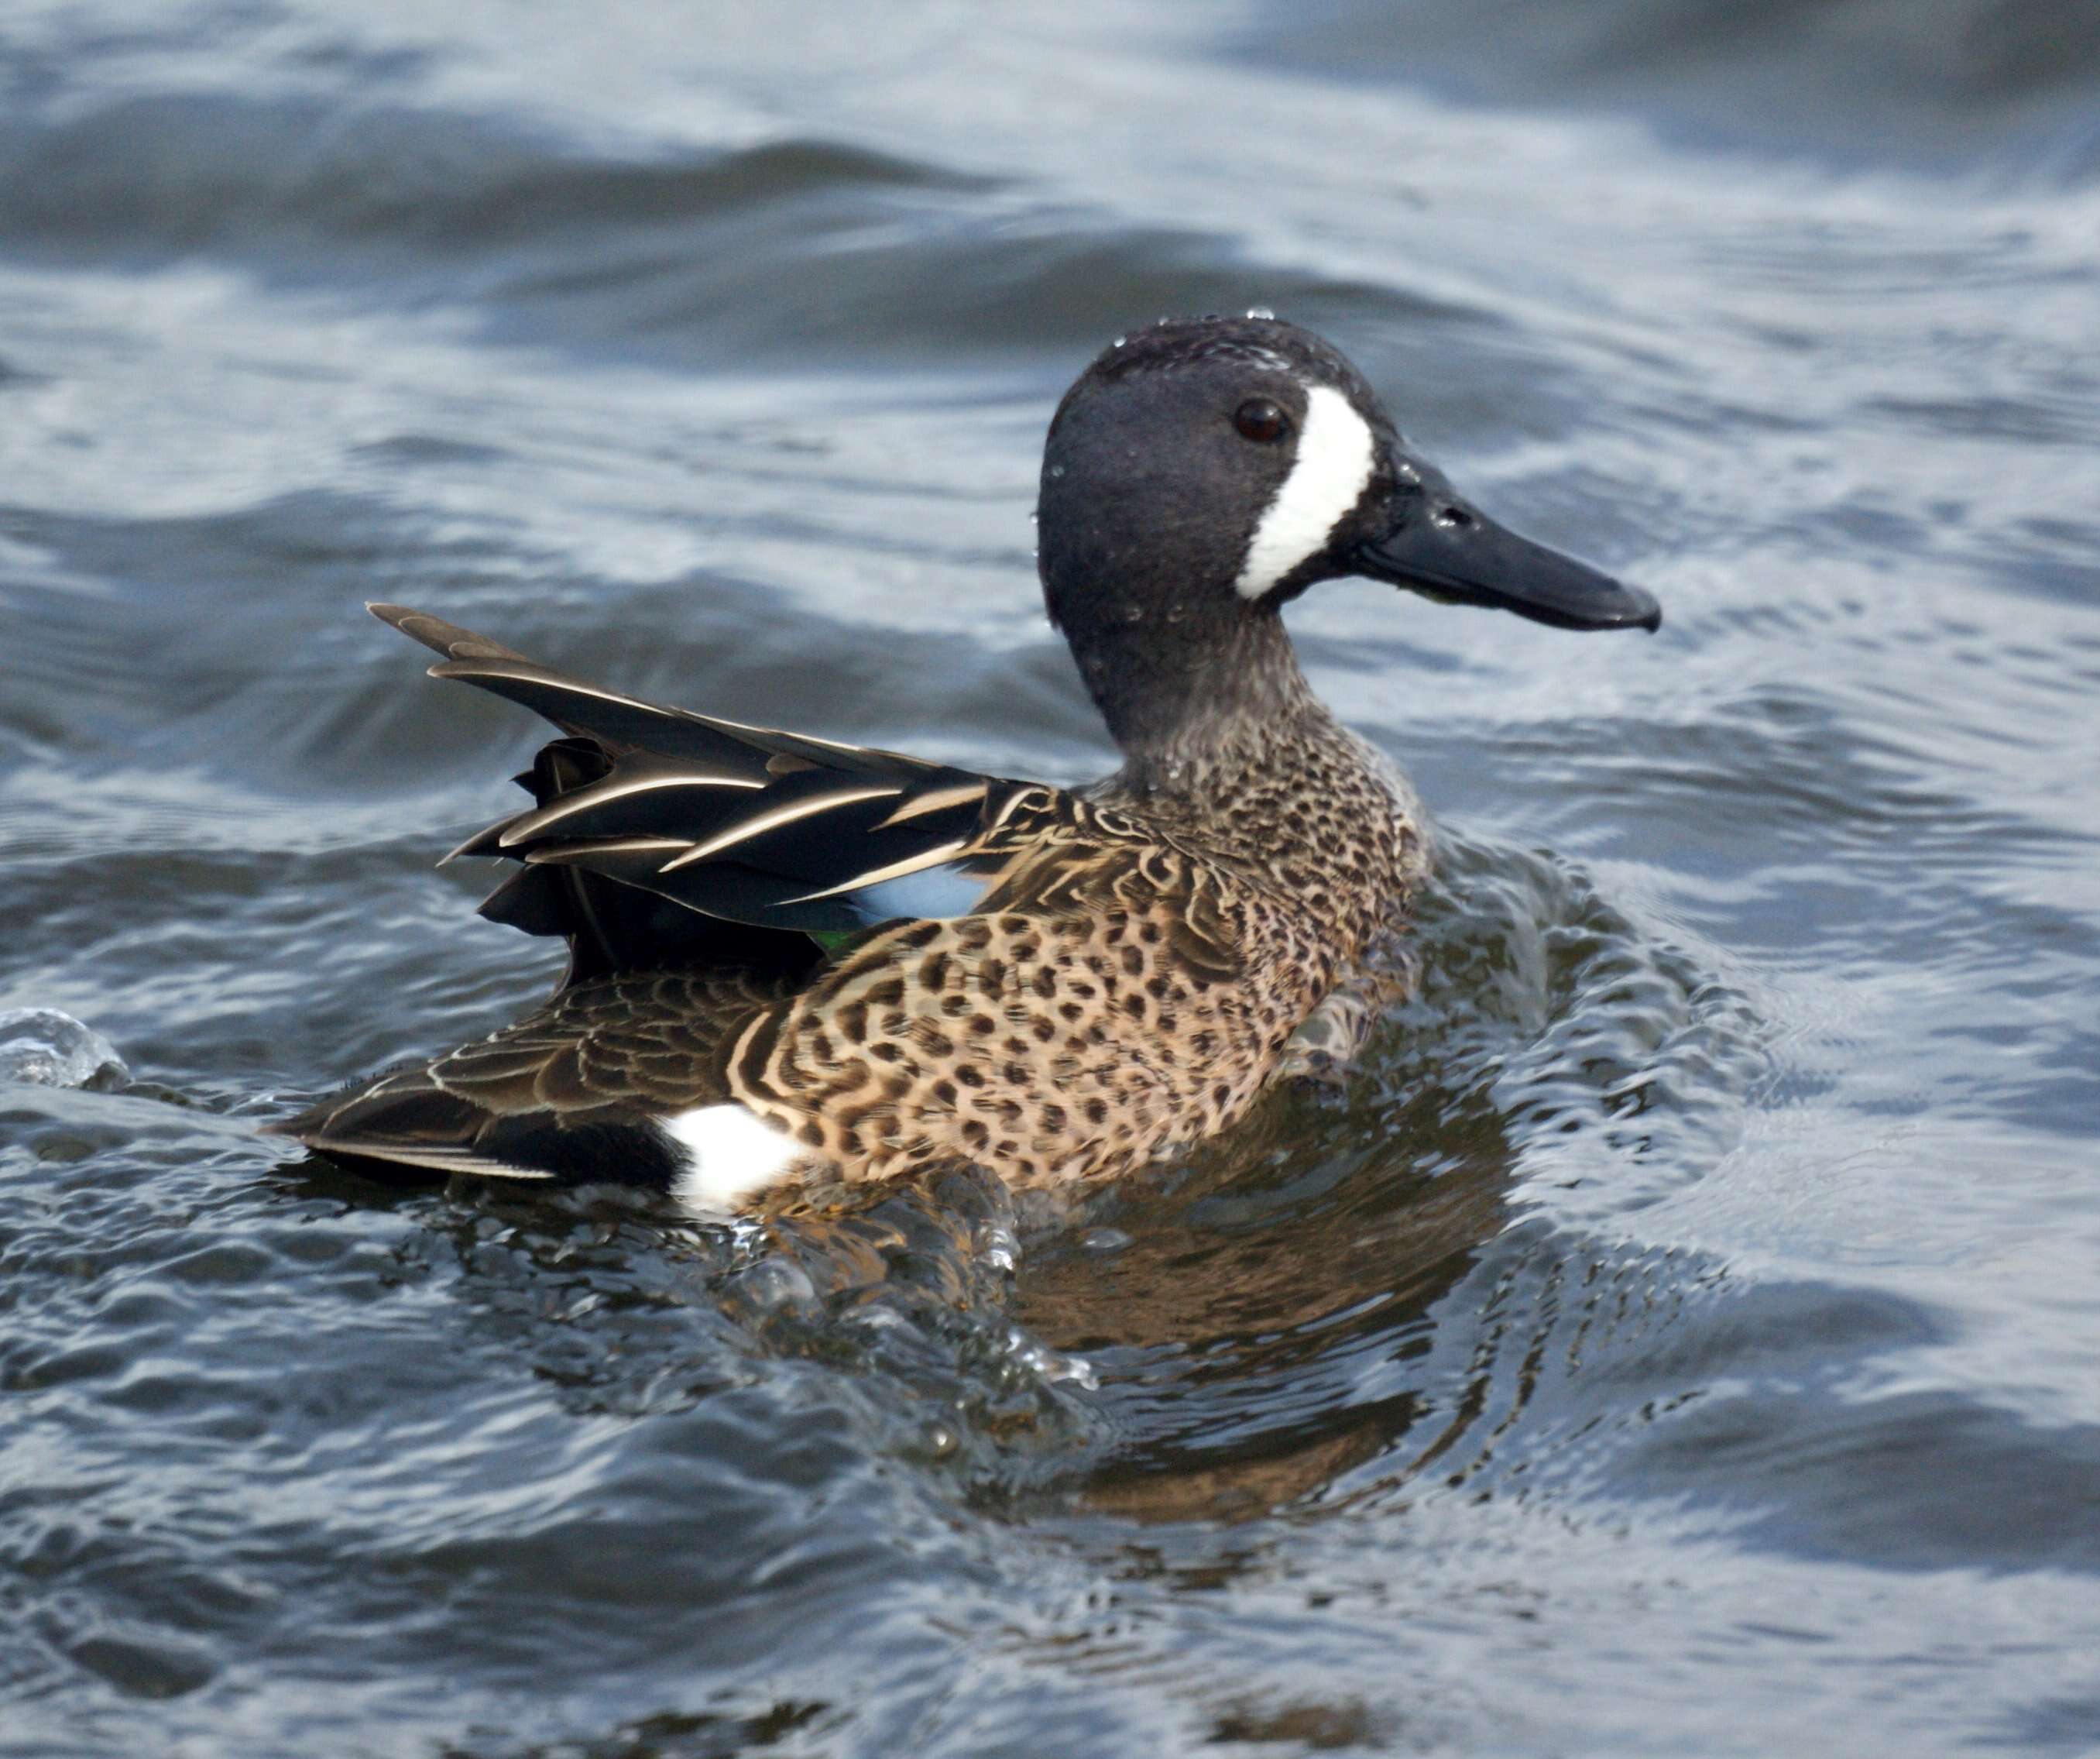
{"x": 1132, "y": 982}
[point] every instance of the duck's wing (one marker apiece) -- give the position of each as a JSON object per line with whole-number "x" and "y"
{"x": 659, "y": 836}
{"x": 586, "y": 1088}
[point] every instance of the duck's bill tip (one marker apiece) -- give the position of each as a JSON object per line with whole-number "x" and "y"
{"x": 1622, "y": 607}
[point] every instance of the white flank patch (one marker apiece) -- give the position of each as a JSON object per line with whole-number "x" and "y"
{"x": 1335, "y": 456}
{"x": 732, "y": 1154}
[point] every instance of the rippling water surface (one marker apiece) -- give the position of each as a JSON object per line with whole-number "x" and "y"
{"x": 1682, "y": 1336}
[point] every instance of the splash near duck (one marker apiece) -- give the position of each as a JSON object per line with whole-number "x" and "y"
{"x": 792, "y": 960}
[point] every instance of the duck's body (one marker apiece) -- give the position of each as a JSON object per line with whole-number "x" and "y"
{"x": 793, "y": 960}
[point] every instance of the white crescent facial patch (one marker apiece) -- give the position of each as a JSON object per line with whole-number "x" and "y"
{"x": 1336, "y": 454}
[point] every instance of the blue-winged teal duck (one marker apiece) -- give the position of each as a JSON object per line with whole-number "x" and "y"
{"x": 792, "y": 960}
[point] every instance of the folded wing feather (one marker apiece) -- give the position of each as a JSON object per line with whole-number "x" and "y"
{"x": 742, "y": 824}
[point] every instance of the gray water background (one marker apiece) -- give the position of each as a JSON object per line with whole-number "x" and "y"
{"x": 1685, "y": 1337}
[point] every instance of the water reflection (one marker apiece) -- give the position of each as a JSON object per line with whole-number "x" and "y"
{"x": 1247, "y": 1335}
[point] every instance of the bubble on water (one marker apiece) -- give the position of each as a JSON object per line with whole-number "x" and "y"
{"x": 998, "y": 1246}
{"x": 42, "y": 1047}
{"x": 1047, "y": 1364}
{"x": 773, "y": 1285}
{"x": 1261, "y": 312}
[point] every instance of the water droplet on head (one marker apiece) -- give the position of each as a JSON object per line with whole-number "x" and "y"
{"x": 1261, "y": 312}
{"x": 1055, "y": 471}
{"x": 1121, "y": 340}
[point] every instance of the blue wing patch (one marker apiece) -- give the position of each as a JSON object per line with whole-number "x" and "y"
{"x": 949, "y": 889}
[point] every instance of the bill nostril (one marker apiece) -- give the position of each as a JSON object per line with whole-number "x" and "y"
{"x": 1454, "y": 518}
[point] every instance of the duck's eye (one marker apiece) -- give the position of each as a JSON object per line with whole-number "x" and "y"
{"x": 1260, "y": 419}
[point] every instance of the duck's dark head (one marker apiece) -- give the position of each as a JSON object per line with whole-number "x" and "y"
{"x": 1203, "y": 472}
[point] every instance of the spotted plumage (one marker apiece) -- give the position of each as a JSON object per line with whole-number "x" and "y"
{"x": 793, "y": 960}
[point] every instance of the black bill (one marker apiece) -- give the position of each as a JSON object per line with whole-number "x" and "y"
{"x": 1444, "y": 546}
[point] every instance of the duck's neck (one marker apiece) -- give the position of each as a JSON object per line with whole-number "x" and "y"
{"x": 1230, "y": 753}
{"x": 1180, "y": 699}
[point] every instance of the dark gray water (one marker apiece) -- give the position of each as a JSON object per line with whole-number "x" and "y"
{"x": 1685, "y": 1337}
